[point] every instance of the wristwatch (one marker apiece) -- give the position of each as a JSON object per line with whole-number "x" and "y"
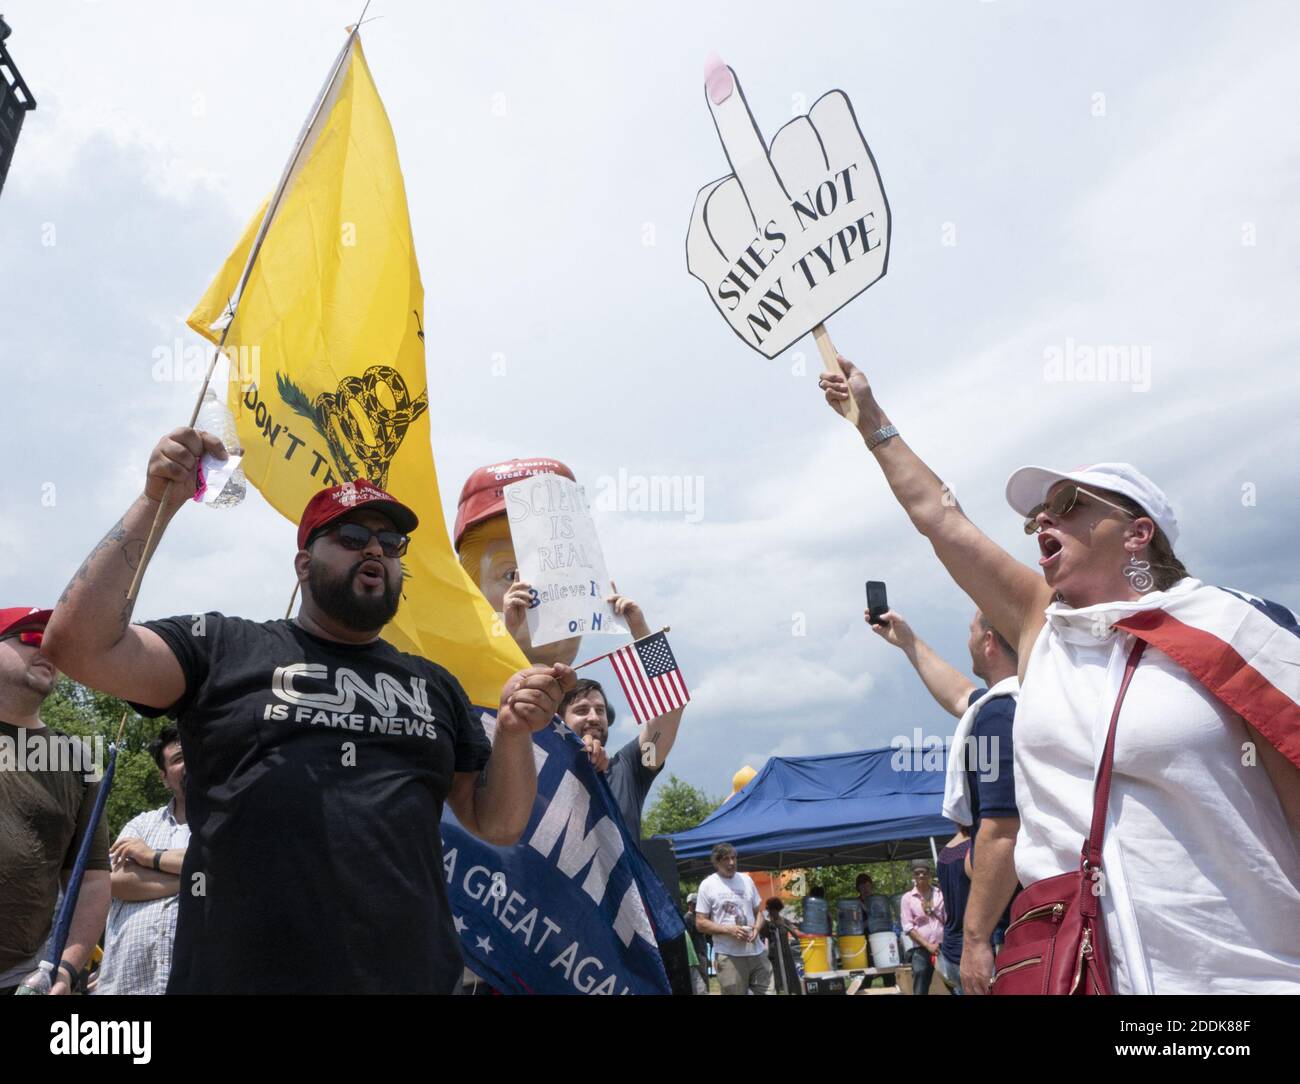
{"x": 157, "y": 861}
{"x": 881, "y": 435}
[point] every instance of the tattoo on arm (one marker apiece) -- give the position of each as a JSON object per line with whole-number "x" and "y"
{"x": 132, "y": 551}
{"x": 115, "y": 535}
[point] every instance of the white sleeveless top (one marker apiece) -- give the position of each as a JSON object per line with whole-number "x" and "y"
{"x": 1202, "y": 890}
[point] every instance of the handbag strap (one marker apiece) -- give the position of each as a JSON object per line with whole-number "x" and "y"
{"x": 1101, "y": 793}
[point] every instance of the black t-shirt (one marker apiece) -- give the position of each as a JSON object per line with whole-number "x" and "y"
{"x": 993, "y": 730}
{"x": 995, "y": 797}
{"x": 317, "y": 773}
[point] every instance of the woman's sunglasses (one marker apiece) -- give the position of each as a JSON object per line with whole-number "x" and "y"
{"x": 1063, "y": 503}
{"x": 355, "y": 536}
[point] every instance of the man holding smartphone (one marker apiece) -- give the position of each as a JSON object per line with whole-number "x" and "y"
{"x": 981, "y": 795}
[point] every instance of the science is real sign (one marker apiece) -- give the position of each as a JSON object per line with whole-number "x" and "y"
{"x": 558, "y": 553}
{"x": 794, "y": 232}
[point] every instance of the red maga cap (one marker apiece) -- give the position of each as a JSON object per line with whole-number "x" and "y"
{"x": 22, "y": 618}
{"x": 481, "y": 497}
{"x": 329, "y": 504}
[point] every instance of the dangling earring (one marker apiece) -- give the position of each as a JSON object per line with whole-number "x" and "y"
{"x": 1138, "y": 574}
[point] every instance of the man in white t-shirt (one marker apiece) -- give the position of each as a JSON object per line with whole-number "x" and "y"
{"x": 730, "y": 909}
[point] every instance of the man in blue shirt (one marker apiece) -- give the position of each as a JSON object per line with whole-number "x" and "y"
{"x": 981, "y": 790}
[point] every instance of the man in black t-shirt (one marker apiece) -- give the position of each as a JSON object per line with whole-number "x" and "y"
{"x": 319, "y": 756}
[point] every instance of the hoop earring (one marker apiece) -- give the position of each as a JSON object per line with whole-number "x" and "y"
{"x": 1138, "y": 574}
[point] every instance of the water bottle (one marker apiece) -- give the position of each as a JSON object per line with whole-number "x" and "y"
{"x": 215, "y": 418}
{"x": 38, "y": 982}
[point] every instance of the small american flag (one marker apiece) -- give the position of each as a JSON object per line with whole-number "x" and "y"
{"x": 650, "y": 678}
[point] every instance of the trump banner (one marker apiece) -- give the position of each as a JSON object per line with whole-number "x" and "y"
{"x": 573, "y": 907}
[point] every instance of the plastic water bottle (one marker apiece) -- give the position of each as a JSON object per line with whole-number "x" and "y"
{"x": 38, "y": 982}
{"x": 215, "y": 418}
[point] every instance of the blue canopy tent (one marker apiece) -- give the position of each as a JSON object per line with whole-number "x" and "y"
{"x": 825, "y": 811}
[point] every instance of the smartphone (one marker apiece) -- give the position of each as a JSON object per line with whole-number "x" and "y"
{"x": 877, "y": 603}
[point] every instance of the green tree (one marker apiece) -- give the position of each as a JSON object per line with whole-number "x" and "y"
{"x": 137, "y": 786}
{"x": 891, "y": 878}
{"x": 677, "y": 807}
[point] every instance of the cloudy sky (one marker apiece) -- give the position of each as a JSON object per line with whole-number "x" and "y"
{"x": 1061, "y": 176}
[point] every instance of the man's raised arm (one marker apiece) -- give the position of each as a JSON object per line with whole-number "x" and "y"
{"x": 948, "y": 685}
{"x": 1009, "y": 593}
{"x": 90, "y": 636}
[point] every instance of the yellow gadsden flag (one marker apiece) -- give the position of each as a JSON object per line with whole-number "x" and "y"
{"x": 326, "y": 350}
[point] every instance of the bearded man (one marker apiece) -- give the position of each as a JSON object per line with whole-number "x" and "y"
{"x": 318, "y": 755}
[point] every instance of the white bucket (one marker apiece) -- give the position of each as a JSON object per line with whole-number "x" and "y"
{"x": 884, "y": 949}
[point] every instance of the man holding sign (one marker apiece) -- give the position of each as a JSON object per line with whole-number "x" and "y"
{"x": 502, "y": 506}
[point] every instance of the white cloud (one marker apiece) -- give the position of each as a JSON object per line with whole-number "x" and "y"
{"x": 1123, "y": 229}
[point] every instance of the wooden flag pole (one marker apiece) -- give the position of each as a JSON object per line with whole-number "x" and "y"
{"x": 233, "y": 305}
{"x": 849, "y": 409}
{"x": 666, "y": 628}
{"x": 152, "y": 540}
{"x": 292, "y": 599}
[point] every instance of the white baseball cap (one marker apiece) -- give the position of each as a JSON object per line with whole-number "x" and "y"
{"x": 1027, "y": 489}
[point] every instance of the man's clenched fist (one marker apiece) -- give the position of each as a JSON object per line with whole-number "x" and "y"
{"x": 530, "y": 698}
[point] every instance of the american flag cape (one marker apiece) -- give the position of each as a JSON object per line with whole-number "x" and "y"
{"x": 651, "y": 679}
{"x": 1243, "y": 649}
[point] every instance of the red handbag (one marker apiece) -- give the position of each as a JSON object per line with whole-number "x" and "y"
{"x": 1056, "y": 942}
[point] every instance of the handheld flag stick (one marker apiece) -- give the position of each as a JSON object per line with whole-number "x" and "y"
{"x": 579, "y": 666}
{"x": 157, "y": 516}
{"x": 271, "y": 208}
{"x": 292, "y": 599}
{"x": 42, "y": 980}
{"x": 849, "y": 409}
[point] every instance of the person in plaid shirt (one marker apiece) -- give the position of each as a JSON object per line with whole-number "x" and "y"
{"x": 146, "y": 885}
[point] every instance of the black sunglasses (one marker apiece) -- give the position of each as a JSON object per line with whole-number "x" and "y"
{"x": 357, "y": 536}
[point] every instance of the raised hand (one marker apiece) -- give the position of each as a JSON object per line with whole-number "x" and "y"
{"x": 520, "y": 598}
{"x": 175, "y": 460}
{"x": 892, "y": 629}
{"x": 625, "y": 608}
{"x": 851, "y": 383}
{"x": 531, "y": 697}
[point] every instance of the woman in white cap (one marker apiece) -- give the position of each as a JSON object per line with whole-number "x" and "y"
{"x": 1202, "y": 841}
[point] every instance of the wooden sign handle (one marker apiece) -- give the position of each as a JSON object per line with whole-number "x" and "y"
{"x": 848, "y": 408}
